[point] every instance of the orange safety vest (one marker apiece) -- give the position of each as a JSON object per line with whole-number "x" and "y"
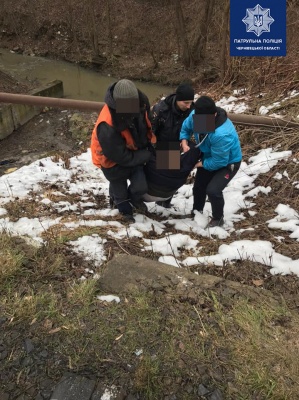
{"x": 98, "y": 158}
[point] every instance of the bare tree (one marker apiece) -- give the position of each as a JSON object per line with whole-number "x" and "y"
{"x": 224, "y": 41}
{"x": 92, "y": 27}
{"x": 71, "y": 20}
{"x": 109, "y": 28}
{"x": 182, "y": 34}
{"x": 199, "y": 45}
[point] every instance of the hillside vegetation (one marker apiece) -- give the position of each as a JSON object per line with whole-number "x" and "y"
{"x": 165, "y": 41}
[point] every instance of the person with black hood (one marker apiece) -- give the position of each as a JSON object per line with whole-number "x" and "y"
{"x": 163, "y": 183}
{"x": 218, "y": 140}
{"x": 168, "y": 116}
{"x": 119, "y": 145}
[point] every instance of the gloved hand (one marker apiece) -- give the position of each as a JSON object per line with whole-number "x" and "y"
{"x": 152, "y": 147}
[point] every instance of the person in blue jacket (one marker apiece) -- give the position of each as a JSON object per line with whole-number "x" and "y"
{"x": 221, "y": 155}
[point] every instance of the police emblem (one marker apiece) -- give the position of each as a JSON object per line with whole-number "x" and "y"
{"x": 258, "y": 20}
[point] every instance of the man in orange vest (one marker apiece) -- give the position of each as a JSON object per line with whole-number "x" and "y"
{"x": 119, "y": 145}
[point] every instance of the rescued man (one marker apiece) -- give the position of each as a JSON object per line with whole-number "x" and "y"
{"x": 168, "y": 116}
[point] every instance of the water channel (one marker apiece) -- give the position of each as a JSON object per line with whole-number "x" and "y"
{"x": 78, "y": 82}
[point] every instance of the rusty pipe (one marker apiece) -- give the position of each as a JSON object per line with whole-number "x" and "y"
{"x": 84, "y": 105}
{"x": 259, "y": 120}
{"x": 55, "y": 102}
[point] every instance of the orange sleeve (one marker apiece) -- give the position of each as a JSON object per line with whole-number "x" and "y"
{"x": 150, "y": 134}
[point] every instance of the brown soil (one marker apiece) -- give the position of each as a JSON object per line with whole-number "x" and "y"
{"x": 50, "y": 133}
{"x": 46, "y": 134}
{"x": 10, "y": 85}
{"x": 48, "y": 366}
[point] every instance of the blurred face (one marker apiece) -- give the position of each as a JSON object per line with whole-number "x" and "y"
{"x": 127, "y": 106}
{"x": 184, "y": 105}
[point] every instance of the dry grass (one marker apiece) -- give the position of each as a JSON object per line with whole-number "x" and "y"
{"x": 239, "y": 346}
{"x": 219, "y": 340}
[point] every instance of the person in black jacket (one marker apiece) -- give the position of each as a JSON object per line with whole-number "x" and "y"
{"x": 119, "y": 145}
{"x": 168, "y": 116}
{"x": 163, "y": 183}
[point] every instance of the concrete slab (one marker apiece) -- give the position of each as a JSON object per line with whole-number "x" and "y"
{"x": 125, "y": 273}
{"x": 12, "y": 116}
{"x": 74, "y": 388}
{"x": 6, "y": 121}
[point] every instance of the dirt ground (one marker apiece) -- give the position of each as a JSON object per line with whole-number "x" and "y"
{"x": 45, "y": 134}
{"x": 50, "y": 133}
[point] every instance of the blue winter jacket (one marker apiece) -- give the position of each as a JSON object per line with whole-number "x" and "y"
{"x": 219, "y": 148}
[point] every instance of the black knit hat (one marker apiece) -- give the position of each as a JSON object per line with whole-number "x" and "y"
{"x": 184, "y": 92}
{"x": 205, "y": 105}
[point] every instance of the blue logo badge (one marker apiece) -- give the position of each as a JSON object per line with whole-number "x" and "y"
{"x": 258, "y": 29}
{"x": 258, "y": 20}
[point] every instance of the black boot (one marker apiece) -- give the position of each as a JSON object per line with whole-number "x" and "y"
{"x": 164, "y": 203}
{"x": 139, "y": 205}
{"x": 111, "y": 203}
{"x": 125, "y": 208}
{"x": 213, "y": 223}
{"x": 128, "y": 218}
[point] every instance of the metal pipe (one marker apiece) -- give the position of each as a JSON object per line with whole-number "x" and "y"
{"x": 241, "y": 119}
{"x": 51, "y": 102}
{"x": 258, "y": 120}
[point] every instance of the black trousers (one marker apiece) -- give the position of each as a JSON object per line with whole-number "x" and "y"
{"x": 122, "y": 193}
{"x": 212, "y": 184}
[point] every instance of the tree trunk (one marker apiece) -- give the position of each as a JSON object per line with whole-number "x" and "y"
{"x": 181, "y": 30}
{"x": 109, "y": 27}
{"x": 223, "y": 42}
{"x": 93, "y": 31}
{"x": 200, "y": 44}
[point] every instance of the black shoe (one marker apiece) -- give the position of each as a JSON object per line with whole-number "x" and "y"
{"x": 125, "y": 208}
{"x": 128, "y": 218}
{"x": 139, "y": 205}
{"x": 111, "y": 203}
{"x": 215, "y": 222}
{"x": 164, "y": 203}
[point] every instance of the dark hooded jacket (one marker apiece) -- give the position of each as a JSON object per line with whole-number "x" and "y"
{"x": 167, "y": 119}
{"x": 113, "y": 145}
{"x": 165, "y": 182}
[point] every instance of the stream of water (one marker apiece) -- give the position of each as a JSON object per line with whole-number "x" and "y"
{"x": 78, "y": 82}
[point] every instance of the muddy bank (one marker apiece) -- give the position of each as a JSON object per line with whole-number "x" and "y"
{"x": 138, "y": 67}
{"x": 51, "y": 133}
